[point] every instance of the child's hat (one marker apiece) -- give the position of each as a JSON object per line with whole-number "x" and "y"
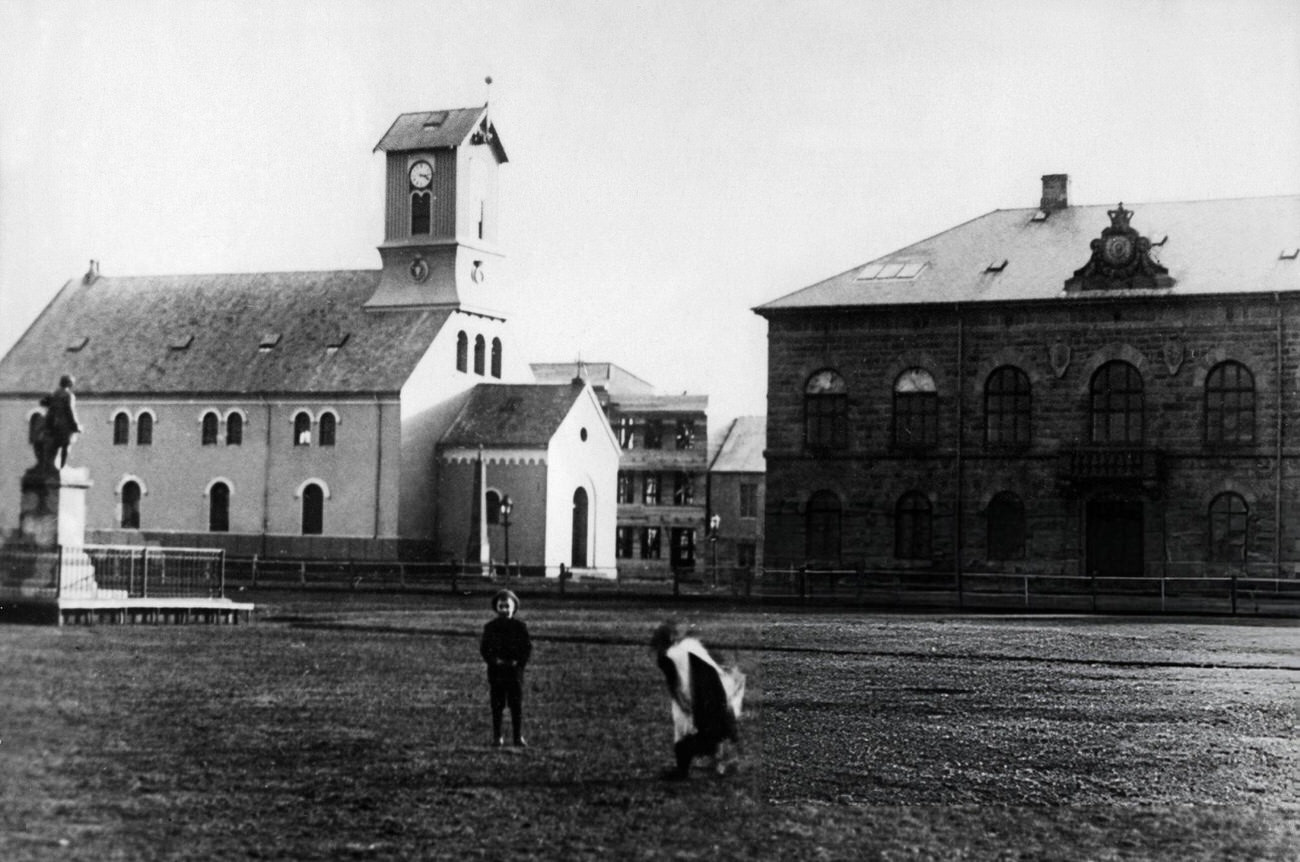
{"x": 506, "y": 594}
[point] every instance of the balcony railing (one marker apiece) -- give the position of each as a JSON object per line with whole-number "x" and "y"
{"x": 1110, "y": 464}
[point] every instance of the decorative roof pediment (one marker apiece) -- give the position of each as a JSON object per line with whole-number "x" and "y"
{"x": 1121, "y": 259}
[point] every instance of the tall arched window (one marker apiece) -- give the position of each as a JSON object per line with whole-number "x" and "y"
{"x": 328, "y": 424}
{"x": 121, "y": 429}
{"x": 131, "y": 506}
{"x": 916, "y": 409}
{"x": 234, "y": 430}
{"x": 462, "y": 352}
{"x": 823, "y": 528}
{"x": 302, "y": 430}
{"x": 1229, "y": 517}
{"x": 211, "y": 425}
{"x": 313, "y": 510}
{"x": 1006, "y": 526}
{"x": 480, "y": 357}
{"x": 219, "y": 508}
{"x": 912, "y": 527}
{"x": 1007, "y": 407}
{"x": 144, "y": 430}
{"x": 825, "y": 411}
{"x": 421, "y": 210}
{"x": 1229, "y": 405}
{"x": 1116, "y": 404}
{"x": 496, "y": 358}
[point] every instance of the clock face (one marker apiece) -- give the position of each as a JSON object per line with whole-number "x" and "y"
{"x": 421, "y": 174}
{"x": 1118, "y": 249}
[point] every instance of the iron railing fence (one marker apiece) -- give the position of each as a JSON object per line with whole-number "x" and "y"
{"x": 111, "y": 571}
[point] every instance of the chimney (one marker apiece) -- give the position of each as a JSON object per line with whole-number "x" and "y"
{"x": 1056, "y": 192}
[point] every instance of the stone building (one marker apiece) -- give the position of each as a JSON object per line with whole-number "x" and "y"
{"x": 296, "y": 414}
{"x": 736, "y": 496}
{"x": 1055, "y": 389}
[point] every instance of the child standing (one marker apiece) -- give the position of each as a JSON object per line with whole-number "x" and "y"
{"x": 506, "y": 647}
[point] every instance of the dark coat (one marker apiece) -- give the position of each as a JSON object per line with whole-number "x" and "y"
{"x": 506, "y": 643}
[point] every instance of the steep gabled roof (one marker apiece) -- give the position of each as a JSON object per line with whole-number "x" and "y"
{"x": 1219, "y": 246}
{"x": 431, "y": 130}
{"x": 512, "y": 415}
{"x": 274, "y": 333}
{"x": 742, "y": 450}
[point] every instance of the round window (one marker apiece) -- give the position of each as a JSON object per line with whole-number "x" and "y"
{"x": 583, "y": 434}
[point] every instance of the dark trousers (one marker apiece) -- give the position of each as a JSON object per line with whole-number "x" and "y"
{"x": 506, "y": 688}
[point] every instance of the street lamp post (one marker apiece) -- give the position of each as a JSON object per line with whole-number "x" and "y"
{"x": 506, "y": 506}
{"x": 714, "y": 523}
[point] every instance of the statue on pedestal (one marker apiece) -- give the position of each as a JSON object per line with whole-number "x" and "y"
{"x": 56, "y": 432}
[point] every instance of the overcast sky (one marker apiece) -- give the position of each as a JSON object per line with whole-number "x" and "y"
{"x": 672, "y": 164}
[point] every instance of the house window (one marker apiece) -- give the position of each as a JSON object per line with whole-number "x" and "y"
{"x": 480, "y": 353}
{"x": 649, "y": 543}
{"x": 234, "y": 429}
{"x": 912, "y": 526}
{"x": 626, "y": 433}
{"x": 462, "y": 352}
{"x": 822, "y": 521}
{"x": 1007, "y": 407}
{"x": 650, "y": 493}
{"x": 313, "y": 510}
{"x": 131, "y": 506}
{"x": 219, "y": 508}
{"x": 1229, "y": 405}
{"x": 302, "y": 430}
{"x": 1228, "y": 519}
{"x": 683, "y": 489}
{"x": 121, "y": 429}
{"x": 623, "y": 543}
{"x": 683, "y": 554}
{"x": 624, "y": 487}
{"x": 825, "y": 411}
{"x": 1006, "y": 526}
{"x": 211, "y": 425}
{"x": 685, "y": 435}
{"x": 496, "y": 358}
{"x": 144, "y": 430}
{"x": 748, "y": 500}
{"x": 328, "y": 424}
{"x": 654, "y": 434}
{"x": 1116, "y": 404}
{"x": 421, "y": 208}
{"x": 916, "y": 410}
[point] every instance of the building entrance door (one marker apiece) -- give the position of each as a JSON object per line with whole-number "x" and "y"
{"x": 579, "y": 529}
{"x": 1114, "y": 542}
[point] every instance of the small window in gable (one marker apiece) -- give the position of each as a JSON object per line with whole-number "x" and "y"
{"x": 268, "y": 342}
{"x": 328, "y": 423}
{"x": 302, "y": 430}
{"x": 480, "y": 350}
{"x": 144, "y": 430}
{"x": 496, "y": 358}
{"x": 210, "y": 427}
{"x": 121, "y": 429}
{"x": 462, "y": 352}
{"x": 234, "y": 430}
{"x": 76, "y": 344}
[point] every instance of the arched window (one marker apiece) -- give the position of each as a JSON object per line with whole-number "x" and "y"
{"x": 1229, "y": 405}
{"x": 121, "y": 429}
{"x": 144, "y": 430}
{"x": 302, "y": 430}
{"x": 1228, "y": 521}
{"x": 219, "y": 508}
{"x": 234, "y": 429}
{"x": 327, "y": 425}
{"x": 462, "y": 352}
{"x": 496, "y": 358}
{"x": 825, "y": 411}
{"x": 480, "y": 351}
{"x": 1006, "y": 525}
{"x": 916, "y": 410}
{"x": 493, "y": 507}
{"x": 1007, "y": 407}
{"x": 1116, "y": 404}
{"x": 421, "y": 209}
{"x": 313, "y": 510}
{"x": 823, "y": 528}
{"x": 131, "y": 505}
{"x": 912, "y": 527}
{"x": 211, "y": 425}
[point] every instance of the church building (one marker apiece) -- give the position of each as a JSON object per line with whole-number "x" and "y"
{"x": 1057, "y": 389}
{"x": 301, "y": 414}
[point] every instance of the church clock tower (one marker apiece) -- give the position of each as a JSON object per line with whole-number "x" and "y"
{"x": 440, "y": 216}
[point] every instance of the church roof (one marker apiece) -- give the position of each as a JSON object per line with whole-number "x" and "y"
{"x": 512, "y": 414}
{"x": 1220, "y": 246}
{"x": 273, "y": 333}
{"x": 430, "y": 130}
{"x": 742, "y": 450}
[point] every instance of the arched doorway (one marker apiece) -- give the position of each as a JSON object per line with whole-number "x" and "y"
{"x": 579, "y": 555}
{"x": 313, "y": 510}
{"x": 131, "y": 506}
{"x": 219, "y": 508}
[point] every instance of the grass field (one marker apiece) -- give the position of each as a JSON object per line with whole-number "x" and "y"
{"x": 356, "y": 727}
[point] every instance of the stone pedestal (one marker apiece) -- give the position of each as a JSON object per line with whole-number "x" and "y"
{"x": 53, "y": 509}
